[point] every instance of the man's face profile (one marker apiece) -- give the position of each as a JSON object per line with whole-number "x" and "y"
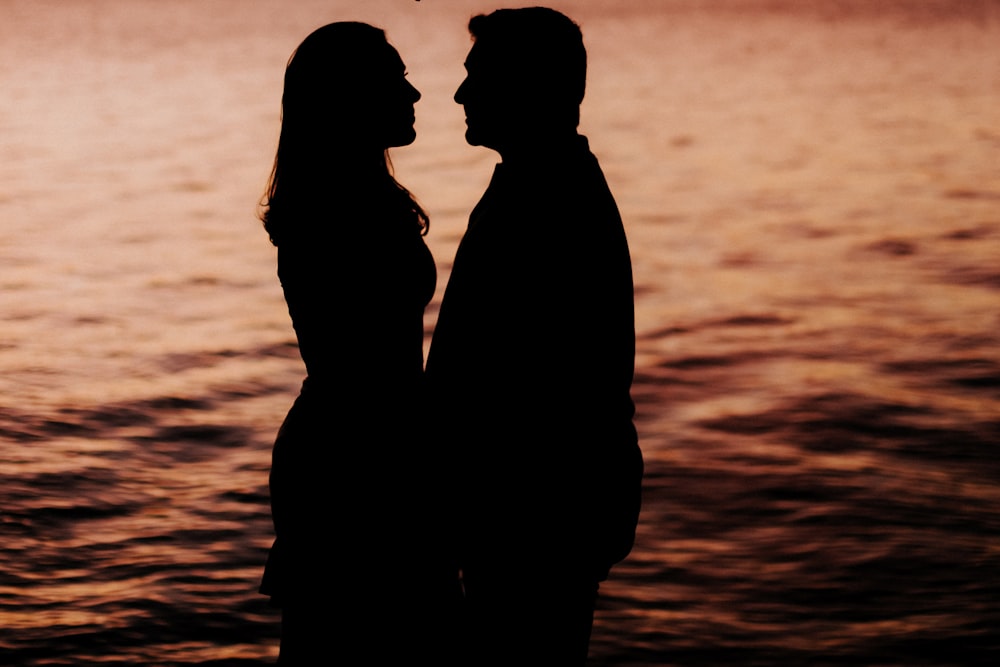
{"x": 489, "y": 98}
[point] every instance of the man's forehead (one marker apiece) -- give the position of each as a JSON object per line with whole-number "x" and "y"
{"x": 489, "y": 57}
{"x": 475, "y": 56}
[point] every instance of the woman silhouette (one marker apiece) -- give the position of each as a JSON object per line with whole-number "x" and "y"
{"x": 355, "y": 564}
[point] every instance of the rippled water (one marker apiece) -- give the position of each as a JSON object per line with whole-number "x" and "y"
{"x": 812, "y": 193}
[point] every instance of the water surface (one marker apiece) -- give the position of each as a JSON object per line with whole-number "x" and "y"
{"x": 812, "y": 194}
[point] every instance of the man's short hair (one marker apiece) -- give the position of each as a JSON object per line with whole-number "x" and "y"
{"x": 542, "y": 48}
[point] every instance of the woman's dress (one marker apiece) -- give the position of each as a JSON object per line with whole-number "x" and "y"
{"x": 350, "y": 462}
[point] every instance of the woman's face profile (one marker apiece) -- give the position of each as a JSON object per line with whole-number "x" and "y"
{"x": 374, "y": 105}
{"x": 395, "y": 109}
{"x": 345, "y": 92}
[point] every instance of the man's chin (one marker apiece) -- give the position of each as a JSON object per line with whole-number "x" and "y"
{"x": 472, "y": 137}
{"x": 476, "y": 138}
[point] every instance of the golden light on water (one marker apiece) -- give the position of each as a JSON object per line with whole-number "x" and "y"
{"x": 812, "y": 196}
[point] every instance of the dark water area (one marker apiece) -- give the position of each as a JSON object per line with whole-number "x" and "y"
{"x": 812, "y": 197}
{"x": 135, "y": 548}
{"x": 838, "y": 529}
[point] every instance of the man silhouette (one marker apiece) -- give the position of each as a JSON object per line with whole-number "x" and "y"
{"x": 532, "y": 359}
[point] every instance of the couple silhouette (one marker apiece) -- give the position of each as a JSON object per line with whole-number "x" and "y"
{"x": 464, "y": 514}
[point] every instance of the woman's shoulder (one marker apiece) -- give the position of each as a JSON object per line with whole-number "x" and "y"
{"x": 349, "y": 242}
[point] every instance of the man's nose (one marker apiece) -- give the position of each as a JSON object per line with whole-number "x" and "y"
{"x": 460, "y": 93}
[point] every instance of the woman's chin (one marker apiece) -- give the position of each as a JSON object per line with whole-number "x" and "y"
{"x": 403, "y": 138}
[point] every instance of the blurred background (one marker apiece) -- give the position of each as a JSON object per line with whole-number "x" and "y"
{"x": 812, "y": 196}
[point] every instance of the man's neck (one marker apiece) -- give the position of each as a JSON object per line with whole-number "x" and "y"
{"x": 530, "y": 149}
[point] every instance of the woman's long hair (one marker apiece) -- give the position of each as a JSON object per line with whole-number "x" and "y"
{"x": 327, "y": 159}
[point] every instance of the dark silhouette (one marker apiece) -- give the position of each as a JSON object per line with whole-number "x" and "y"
{"x": 532, "y": 359}
{"x": 356, "y": 565}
